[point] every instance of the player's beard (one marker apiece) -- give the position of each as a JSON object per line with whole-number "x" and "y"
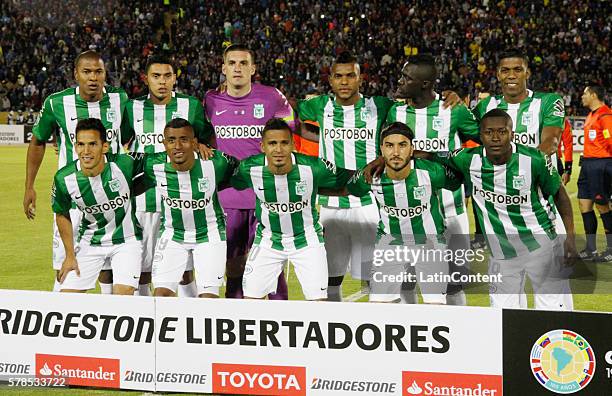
{"x": 400, "y": 167}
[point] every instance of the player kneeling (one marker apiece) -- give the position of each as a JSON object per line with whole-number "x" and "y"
{"x": 410, "y": 245}
{"x": 101, "y": 187}
{"x": 286, "y": 186}
{"x": 193, "y": 224}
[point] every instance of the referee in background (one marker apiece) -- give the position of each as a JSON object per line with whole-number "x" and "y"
{"x": 596, "y": 172}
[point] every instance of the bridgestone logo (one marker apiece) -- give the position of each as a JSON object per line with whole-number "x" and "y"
{"x": 239, "y": 131}
{"x": 116, "y": 203}
{"x": 177, "y": 203}
{"x": 405, "y": 212}
{"x": 353, "y": 386}
{"x": 528, "y": 139}
{"x": 150, "y": 138}
{"x": 285, "y": 207}
{"x": 501, "y": 198}
{"x": 430, "y": 145}
{"x": 349, "y": 134}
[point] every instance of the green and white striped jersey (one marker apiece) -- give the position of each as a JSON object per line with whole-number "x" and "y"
{"x": 143, "y": 125}
{"x": 439, "y": 130}
{"x": 285, "y": 204}
{"x": 190, "y": 206}
{"x": 511, "y": 199}
{"x": 66, "y": 108}
{"x": 105, "y": 200}
{"x": 538, "y": 110}
{"x": 348, "y": 136}
{"x": 409, "y": 209}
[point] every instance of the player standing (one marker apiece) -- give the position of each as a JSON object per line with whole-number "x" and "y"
{"x": 286, "y": 185}
{"x": 407, "y": 193}
{"x": 349, "y": 128}
{"x": 144, "y": 125}
{"x": 238, "y": 115}
{"x": 511, "y": 184}
{"x": 537, "y": 117}
{"x": 101, "y": 188}
{"x": 90, "y": 99}
{"x": 193, "y": 223}
{"x": 437, "y": 130}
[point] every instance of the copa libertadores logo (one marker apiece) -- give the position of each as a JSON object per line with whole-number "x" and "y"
{"x": 562, "y": 361}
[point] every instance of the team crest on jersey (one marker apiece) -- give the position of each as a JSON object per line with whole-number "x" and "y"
{"x": 526, "y": 118}
{"x": 419, "y": 192}
{"x": 203, "y": 184}
{"x": 300, "y": 187}
{"x": 114, "y": 185}
{"x": 178, "y": 114}
{"x": 111, "y": 115}
{"x": 366, "y": 114}
{"x": 258, "y": 110}
{"x": 559, "y": 108}
{"x": 518, "y": 182}
{"x": 437, "y": 123}
{"x": 592, "y": 134}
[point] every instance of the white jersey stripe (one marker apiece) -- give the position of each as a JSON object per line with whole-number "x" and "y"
{"x": 71, "y": 119}
{"x": 115, "y": 104}
{"x": 428, "y": 221}
{"x": 281, "y": 184}
{"x": 401, "y": 201}
{"x": 258, "y": 185}
{"x": 128, "y": 225}
{"x": 160, "y": 175}
{"x": 208, "y": 169}
{"x": 97, "y": 189}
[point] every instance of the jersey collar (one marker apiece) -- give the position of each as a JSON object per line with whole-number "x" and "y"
{"x": 149, "y": 95}
{"x": 103, "y": 91}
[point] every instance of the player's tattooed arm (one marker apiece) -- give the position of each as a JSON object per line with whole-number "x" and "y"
{"x": 64, "y": 226}
{"x": 549, "y": 141}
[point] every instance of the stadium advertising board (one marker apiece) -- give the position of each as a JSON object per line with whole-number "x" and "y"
{"x": 11, "y": 134}
{"x": 88, "y": 340}
{"x": 547, "y": 352}
{"x": 298, "y": 348}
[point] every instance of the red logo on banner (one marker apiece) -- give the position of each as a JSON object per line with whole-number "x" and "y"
{"x": 79, "y": 370}
{"x": 246, "y": 379}
{"x": 420, "y": 383}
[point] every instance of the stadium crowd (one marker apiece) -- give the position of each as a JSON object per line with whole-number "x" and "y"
{"x": 566, "y": 42}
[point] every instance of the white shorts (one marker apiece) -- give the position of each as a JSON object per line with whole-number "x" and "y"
{"x": 545, "y": 269}
{"x": 350, "y": 235}
{"x": 172, "y": 258}
{"x": 150, "y": 223}
{"x": 264, "y": 265}
{"x": 59, "y": 254}
{"x": 124, "y": 260}
{"x": 387, "y": 276}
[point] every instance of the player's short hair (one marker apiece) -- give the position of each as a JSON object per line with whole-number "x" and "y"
{"x": 159, "y": 59}
{"x": 91, "y": 124}
{"x": 426, "y": 65}
{"x": 496, "y": 113}
{"x": 275, "y": 124}
{"x": 345, "y": 57}
{"x": 178, "y": 123}
{"x": 513, "y": 53}
{"x": 396, "y": 128}
{"x": 89, "y": 54}
{"x": 598, "y": 90}
{"x": 239, "y": 47}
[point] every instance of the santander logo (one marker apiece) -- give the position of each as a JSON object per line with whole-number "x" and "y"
{"x": 79, "y": 370}
{"x": 434, "y": 384}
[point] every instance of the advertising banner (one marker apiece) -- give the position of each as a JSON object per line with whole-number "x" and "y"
{"x": 548, "y": 352}
{"x": 11, "y": 134}
{"x": 88, "y": 340}
{"x": 298, "y": 348}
